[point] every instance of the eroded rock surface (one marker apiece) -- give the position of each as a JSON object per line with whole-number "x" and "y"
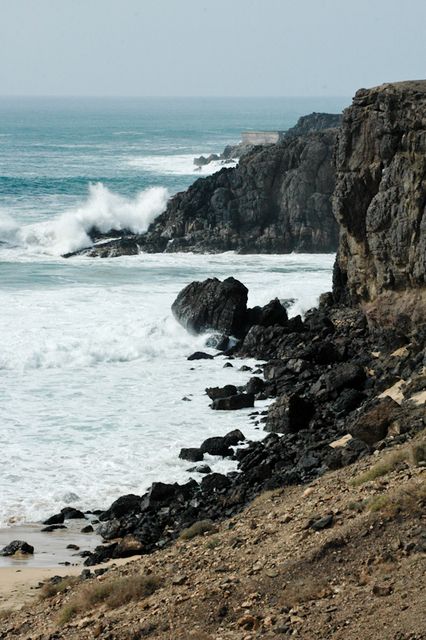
{"x": 380, "y": 201}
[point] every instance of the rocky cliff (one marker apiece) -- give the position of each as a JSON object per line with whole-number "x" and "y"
{"x": 277, "y": 200}
{"x": 380, "y": 201}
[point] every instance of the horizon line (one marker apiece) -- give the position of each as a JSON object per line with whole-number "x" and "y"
{"x": 156, "y": 97}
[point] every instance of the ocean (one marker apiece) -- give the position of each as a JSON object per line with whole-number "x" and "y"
{"x": 93, "y": 367}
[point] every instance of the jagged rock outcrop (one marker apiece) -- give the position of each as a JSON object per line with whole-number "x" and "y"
{"x": 380, "y": 204}
{"x": 314, "y": 122}
{"x": 215, "y": 305}
{"x": 277, "y": 200}
{"x": 212, "y": 304}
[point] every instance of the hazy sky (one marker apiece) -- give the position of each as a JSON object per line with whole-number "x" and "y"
{"x": 208, "y": 47}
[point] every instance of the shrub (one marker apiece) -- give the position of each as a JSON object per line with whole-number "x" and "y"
{"x": 113, "y": 593}
{"x": 382, "y": 468}
{"x": 50, "y": 589}
{"x": 197, "y": 529}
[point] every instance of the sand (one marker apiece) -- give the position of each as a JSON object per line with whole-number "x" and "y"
{"x": 19, "y": 577}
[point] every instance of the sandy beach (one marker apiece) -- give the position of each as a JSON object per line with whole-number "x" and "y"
{"x": 20, "y": 577}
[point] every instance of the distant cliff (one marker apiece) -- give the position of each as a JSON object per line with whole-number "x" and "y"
{"x": 380, "y": 201}
{"x": 277, "y": 200}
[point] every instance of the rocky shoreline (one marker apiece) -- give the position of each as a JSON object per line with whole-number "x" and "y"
{"x": 345, "y": 382}
{"x": 276, "y": 200}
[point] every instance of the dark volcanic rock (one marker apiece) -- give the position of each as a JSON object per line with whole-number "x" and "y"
{"x": 289, "y": 414}
{"x": 216, "y": 446}
{"x": 200, "y": 355}
{"x": 215, "y": 482}
{"x": 276, "y": 200}
{"x": 58, "y": 518}
{"x": 17, "y": 546}
{"x": 192, "y": 454}
{"x": 232, "y": 438}
{"x": 212, "y": 305}
{"x": 232, "y": 403}
{"x": 314, "y": 122}
{"x": 379, "y": 203}
{"x": 273, "y": 313}
{"x": 122, "y": 506}
{"x": 221, "y": 392}
{"x": 70, "y": 513}
{"x": 372, "y": 425}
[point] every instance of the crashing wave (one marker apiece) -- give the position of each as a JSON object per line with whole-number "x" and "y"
{"x": 103, "y": 210}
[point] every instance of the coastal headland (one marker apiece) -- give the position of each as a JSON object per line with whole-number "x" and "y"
{"x": 321, "y": 533}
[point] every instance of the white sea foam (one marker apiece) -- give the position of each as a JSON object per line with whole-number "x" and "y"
{"x": 8, "y": 227}
{"x": 180, "y": 165}
{"x": 103, "y": 209}
{"x": 93, "y": 370}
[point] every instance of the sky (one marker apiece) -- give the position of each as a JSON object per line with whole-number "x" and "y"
{"x": 208, "y": 47}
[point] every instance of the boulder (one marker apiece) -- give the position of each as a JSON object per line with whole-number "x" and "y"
{"x": 58, "y": 518}
{"x": 344, "y": 376}
{"x": 17, "y": 546}
{"x": 215, "y": 482}
{"x": 373, "y": 424}
{"x": 221, "y": 392}
{"x": 273, "y": 313}
{"x": 234, "y": 437}
{"x": 289, "y": 414}
{"x": 212, "y": 305}
{"x": 123, "y": 506}
{"x": 216, "y": 446}
{"x": 192, "y": 454}
{"x": 233, "y": 403}
{"x": 70, "y": 513}
{"x": 200, "y": 355}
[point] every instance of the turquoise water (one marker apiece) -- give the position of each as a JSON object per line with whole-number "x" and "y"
{"x": 92, "y": 364}
{"x": 50, "y": 149}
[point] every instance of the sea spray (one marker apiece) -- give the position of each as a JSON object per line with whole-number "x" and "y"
{"x": 103, "y": 210}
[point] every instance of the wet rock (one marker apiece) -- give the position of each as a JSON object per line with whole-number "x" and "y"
{"x": 233, "y": 403}
{"x": 273, "y": 313}
{"x": 221, "y": 392}
{"x": 124, "y": 505}
{"x": 17, "y": 546}
{"x": 232, "y": 438}
{"x": 212, "y": 305}
{"x": 87, "y": 529}
{"x": 192, "y": 454}
{"x": 255, "y": 385}
{"x": 58, "y": 518}
{"x": 216, "y": 446}
{"x": 200, "y": 355}
{"x": 52, "y": 527}
{"x": 70, "y": 513}
{"x": 214, "y": 482}
{"x": 201, "y": 468}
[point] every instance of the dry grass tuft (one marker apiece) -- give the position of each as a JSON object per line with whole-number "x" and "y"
{"x": 112, "y": 593}
{"x": 389, "y": 463}
{"x": 50, "y": 589}
{"x": 198, "y": 529}
{"x": 5, "y": 614}
{"x": 418, "y": 453}
{"x": 410, "y": 499}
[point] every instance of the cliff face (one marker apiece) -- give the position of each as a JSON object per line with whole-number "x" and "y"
{"x": 380, "y": 201}
{"x": 277, "y": 200}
